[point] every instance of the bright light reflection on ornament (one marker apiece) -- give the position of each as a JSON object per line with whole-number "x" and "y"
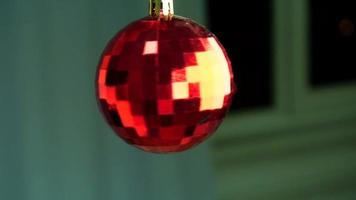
{"x": 151, "y": 47}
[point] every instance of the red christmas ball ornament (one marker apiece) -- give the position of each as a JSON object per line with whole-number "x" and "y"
{"x": 164, "y": 83}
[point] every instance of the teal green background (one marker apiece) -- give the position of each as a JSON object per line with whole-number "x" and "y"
{"x": 54, "y": 143}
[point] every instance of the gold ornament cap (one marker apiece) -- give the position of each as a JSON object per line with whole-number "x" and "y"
{"x": 162, "y": 9}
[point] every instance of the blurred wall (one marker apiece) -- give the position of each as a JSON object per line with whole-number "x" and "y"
{"x": 304, "y": 145}
{"x": 54, "y": 143}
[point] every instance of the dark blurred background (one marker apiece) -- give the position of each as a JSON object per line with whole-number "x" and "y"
{"x": 291, "y": 133}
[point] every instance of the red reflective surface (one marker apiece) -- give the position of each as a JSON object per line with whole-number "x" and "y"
{"x": 164, "y": 86}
